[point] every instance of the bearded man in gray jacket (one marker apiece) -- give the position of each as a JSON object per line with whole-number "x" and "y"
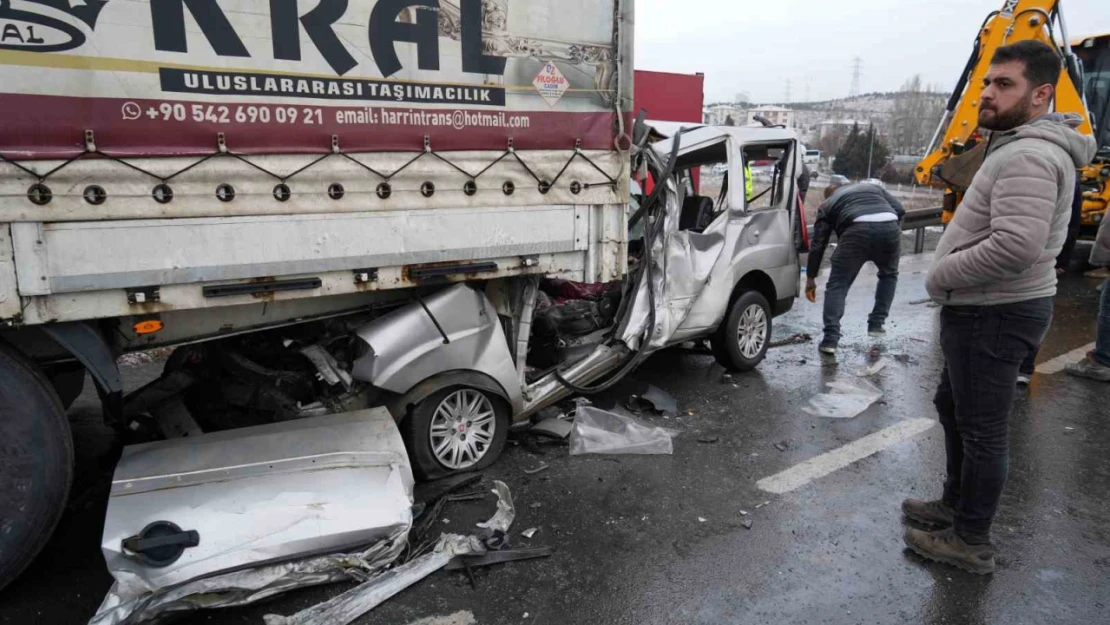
{"x": 993, "y": 272}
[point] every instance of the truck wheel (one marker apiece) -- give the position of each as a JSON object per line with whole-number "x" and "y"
{"x": 741, "y": 341}
{"x": 36, "y": 462}
{"x": 455, "y": 430}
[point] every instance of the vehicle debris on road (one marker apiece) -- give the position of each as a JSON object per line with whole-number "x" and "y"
{"x": 558, "y": 428}
{"x": 845, "y": 397}
{"x": 348, "y": 606}
{"x": 184, "y": 513}
{"x": 600, "y": 432}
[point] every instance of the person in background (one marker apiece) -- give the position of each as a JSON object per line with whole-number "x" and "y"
{"x": 749, "y": 184}
{"x": 994, "y": 275}
{"x": 1096, "y": 365}
{"x": 866, "y": 219}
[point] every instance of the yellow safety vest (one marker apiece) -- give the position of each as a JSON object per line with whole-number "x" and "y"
{"x": 748, "y": 180}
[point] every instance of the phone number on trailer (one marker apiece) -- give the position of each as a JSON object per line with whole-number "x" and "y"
{"x": 220, "y": 114}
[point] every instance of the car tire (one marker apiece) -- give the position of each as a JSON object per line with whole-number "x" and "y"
{"x": 36, "y": 462}
{"x": 437, "y": 447}
{"x": 741, "y": 341}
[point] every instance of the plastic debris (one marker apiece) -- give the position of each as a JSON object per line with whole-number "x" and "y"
{"x": 747, "y": 523}
{"x": 845, "y": 398}
{"x": 600, "y": 432}
{"x": 702, "y": 519}
{"x": 661, "y": 400}
{"x": 530, "y": 532}
{"x": 539, "y": 469}
{"x": 709, "y": 440}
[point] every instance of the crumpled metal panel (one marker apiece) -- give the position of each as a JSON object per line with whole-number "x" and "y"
{"x": 407, "y": 348}
{"x": 261, "y": 494}
{"x": 130, "y": 601}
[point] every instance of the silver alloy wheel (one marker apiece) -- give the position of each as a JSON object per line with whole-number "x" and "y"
{"x": 751, "y": 332}
{"x": 462, "y": 429}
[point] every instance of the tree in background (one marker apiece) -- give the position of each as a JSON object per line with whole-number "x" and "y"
{"x": 917, "y": 112}
{"x": 832, "y": 139}
{"x": 862, "y": 154}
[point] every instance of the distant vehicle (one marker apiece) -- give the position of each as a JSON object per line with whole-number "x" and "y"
{"x": 812, "y": 157}
{"x": 874, "y": 181}
{"x": 719, "y": 169}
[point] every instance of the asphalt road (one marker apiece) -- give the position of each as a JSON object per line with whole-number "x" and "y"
{"x": 662, "y": 539}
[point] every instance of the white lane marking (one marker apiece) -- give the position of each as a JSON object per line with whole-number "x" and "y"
{"x": 1057, "y": 364}
{"x": 801, "y": 474}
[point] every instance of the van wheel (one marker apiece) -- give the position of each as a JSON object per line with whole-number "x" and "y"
{"x": 455, "y": 430}
{"x": 741, "y": 342}
{"x": 36, "y": 462}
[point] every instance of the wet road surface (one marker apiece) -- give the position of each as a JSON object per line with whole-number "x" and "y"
{"x": 662, "y": 539}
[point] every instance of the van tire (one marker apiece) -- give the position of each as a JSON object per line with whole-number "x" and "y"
{"x": 752, "y": 311}
{"x": 36, "y": 462}
{"x": 416, "y": 431}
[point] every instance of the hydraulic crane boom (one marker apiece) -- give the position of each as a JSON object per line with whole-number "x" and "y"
{"x": 953, "y": 157}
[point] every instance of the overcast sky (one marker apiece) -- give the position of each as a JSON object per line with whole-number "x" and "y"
{"x": 754, "y": 47}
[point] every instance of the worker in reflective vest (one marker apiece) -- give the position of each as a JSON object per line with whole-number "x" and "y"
{"x": 748, "y": 181}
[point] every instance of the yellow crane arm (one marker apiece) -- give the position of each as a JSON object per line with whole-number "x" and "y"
{"x": 1018, "y": 20}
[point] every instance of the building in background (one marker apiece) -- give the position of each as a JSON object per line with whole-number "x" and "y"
{"x": 721, "y": 114}
{"x": 839, "y": 126}
{"x": 777, "y": 115}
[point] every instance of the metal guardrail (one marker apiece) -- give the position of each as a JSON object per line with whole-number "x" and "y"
{"x": 917, "y": 221}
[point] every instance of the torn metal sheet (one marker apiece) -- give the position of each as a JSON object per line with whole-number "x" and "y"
{"x": 845, "y": 397}
{"x": 348, "y": 606}
{"x": 187, "y": 508}
{"x": 128, "y": 602}
{"x": 506, "y": 511}
{"x": 499, "y": 557}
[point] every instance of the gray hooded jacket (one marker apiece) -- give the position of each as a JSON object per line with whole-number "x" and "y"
{"x": 1002, "y": 244}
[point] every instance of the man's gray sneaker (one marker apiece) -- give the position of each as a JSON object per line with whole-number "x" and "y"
{"x": 935, "y": 513}
{"x": 827, "y": 347}
{"x": 1088, "y": 368}
{"x": 946, "y": 547}
{"x": 877, "y": 332}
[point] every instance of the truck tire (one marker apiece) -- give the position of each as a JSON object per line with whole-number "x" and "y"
{"x": 455, "y": 430}
{"x": 740, "y": 344}
{"x": 36, "y": 462}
